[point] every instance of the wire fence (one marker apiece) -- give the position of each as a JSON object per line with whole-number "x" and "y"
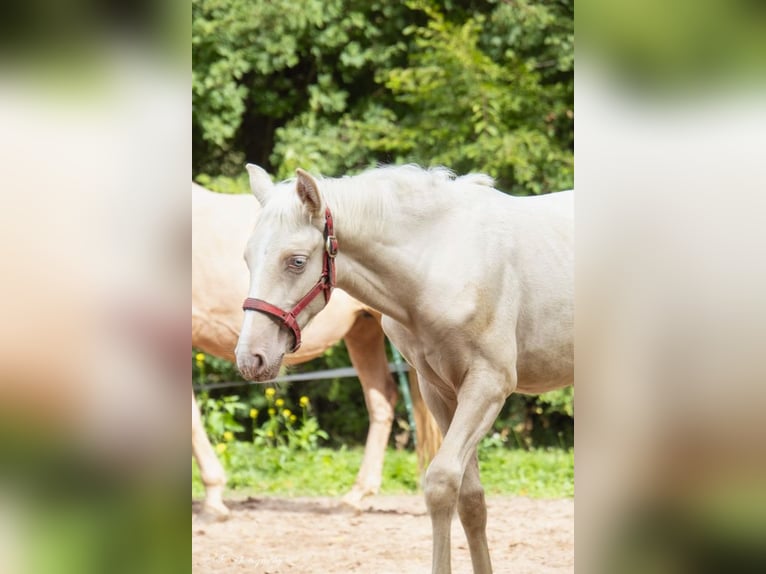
{"x": 340, "y": 373}
{"x": 399, "y": 366}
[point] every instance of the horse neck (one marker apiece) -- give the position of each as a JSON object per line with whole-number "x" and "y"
{"x": 377, "y": 228}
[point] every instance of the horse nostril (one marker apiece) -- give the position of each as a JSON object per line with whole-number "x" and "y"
{"x": 259, "y": 362}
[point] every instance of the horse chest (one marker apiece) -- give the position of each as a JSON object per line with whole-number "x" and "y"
{"x": 435, "y": 360}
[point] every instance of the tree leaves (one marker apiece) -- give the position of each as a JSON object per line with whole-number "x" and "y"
{"x": 337, "y": 86}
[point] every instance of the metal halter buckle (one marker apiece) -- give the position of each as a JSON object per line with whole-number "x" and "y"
{"x": 331, "y": 246}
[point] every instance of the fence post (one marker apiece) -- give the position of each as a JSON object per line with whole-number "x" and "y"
{"x": 404, "y": 386}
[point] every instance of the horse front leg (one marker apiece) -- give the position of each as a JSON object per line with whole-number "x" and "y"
{"x": 443, "y": 410}
{"x": 479, "y": 401}
{"x": 365, "y": 342}
{"x": 213, "y": 475}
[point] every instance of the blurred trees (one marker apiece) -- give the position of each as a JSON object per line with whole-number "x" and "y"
{"x": 337, "y": 86}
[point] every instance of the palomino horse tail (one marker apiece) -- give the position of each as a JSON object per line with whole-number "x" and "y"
{"x": 427, "y": 433}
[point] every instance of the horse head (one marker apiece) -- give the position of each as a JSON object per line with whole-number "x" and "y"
{"x": 290, "y": 256}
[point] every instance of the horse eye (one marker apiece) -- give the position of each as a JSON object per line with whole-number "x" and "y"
{"x": 297, "y": 262}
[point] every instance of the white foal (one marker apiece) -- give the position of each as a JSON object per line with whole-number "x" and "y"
{"x": 476, "y": 288}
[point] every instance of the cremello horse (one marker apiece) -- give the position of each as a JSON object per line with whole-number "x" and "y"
{"x": 476, "y": 288}
{"x": 221, "y": 225}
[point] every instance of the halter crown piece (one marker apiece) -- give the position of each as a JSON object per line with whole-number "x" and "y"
{"x": 325, "y": 285}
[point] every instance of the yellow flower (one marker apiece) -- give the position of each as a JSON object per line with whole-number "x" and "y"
{"x": 293, "y": 418}
{"x": 286, "y": 413}
{"x": 279, "y": 403}
{"x": 270, "y": 392}
{"x": 220, "y": 448}
{"x": 200, "y": 357}
{"x": 269, "y": 434}
{"x": 272, "y": 412}
{"x": 253, "y": 413}
{"x": 304, "y": 401}
{"x": 228, "y": 436}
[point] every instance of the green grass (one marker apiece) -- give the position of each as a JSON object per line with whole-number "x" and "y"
{"x": 326, "y": 472}
{"x": 536, "y": 473}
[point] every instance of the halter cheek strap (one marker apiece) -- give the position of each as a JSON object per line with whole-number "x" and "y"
{"x": 325, "y": 285}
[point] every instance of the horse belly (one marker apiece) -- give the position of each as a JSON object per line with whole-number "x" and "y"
{"x": 545, "y": 320}
{"x": 545, "y": 368}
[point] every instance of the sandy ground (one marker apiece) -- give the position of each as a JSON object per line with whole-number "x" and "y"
{"x": 317, "y": 536}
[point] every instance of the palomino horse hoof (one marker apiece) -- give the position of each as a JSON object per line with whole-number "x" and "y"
{"x": 354, "y": 500}
{"x": 213, "y": 514}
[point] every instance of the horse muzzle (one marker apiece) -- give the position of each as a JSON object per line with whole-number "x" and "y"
{"x": 254, "y": 366}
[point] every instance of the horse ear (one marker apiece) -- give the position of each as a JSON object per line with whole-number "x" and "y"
{"x": 308, "y": 192}
{"x": 260, "y": 183}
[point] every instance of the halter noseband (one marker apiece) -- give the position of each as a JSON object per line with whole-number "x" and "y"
{"x": 325, "y": 285}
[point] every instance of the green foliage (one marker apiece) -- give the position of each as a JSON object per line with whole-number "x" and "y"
{"x": 280, "y": 428}
{"x": 682, "y": 47}
{"x": 209, "y": 369}
{"x": 268, "y": 471}
{"x": 466, "y": 110}
{"x": 224, "y": 183}
{"x": 282, "y": 453}
{"x": 528, "y": 421}
{"x": 339, "y": 403}
{"x": 219, "y": 416}
{"x": 340, "y": 85}
{"x": 325, "y": 472}
{"x": 338, "y": 406}
{"x": 535, "y": 473}
{"x": 257, "y": 64}
{"x": 282, "y": 431}
{"x": 558, "y": 401}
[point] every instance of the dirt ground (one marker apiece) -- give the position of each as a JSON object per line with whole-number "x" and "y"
{"x": 318, "y": 536}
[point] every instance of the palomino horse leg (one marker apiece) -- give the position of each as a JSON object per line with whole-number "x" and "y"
{"x": 366, "y": 347}
{"x": 479, "y": 401}
{"x": 472, "y": 509}
{"x": 443, "y": 411}
{"x": 213, "y": 476}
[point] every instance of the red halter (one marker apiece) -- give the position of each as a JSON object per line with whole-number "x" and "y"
{"x": 325, "y": 285}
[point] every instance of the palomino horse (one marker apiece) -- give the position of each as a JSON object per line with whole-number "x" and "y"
{"x": 476, "y": 289}
{"x": 219, "y": 277}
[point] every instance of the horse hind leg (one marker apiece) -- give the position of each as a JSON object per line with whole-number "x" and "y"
{"x": 472, "y": 509}
{"x": 365, "y": 342}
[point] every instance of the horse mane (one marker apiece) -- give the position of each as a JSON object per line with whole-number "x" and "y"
{"x": 477, "y": 179}
{"x": 384, "y": 187}
{"x": 413, "y": 175}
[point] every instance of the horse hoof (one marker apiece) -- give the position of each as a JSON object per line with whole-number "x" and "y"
{"x": 354, "y": 501}
{"x": 213, "y": 514}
